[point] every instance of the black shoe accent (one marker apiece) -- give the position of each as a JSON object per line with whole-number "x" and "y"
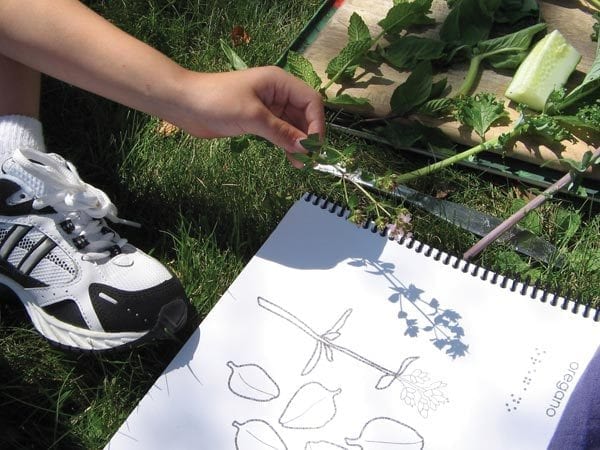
{"x": 81, "y": 242}
{"x": 138, "y": 310}
{"x": 8, "y": 188}
{"x": 24, "y": 280}
{"x": 67, "y": 226}
{"x": 67, "y": 311}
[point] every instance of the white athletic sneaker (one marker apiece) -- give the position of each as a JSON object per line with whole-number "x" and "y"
{"x": 83, "y": 286}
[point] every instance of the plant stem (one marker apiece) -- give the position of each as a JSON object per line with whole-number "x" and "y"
{"x": 474, "y": 65}
{"x": 470, "y": 77}
{"x": 366, "y": 193}
{"x": 487, "y": 145}
{"x": 521, "y": 213}
{"x": 279, "y": 311}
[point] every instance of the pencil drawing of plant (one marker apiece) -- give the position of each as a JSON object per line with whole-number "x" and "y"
{"x": 420, "y": 314}
{"x": 417, "y": 390}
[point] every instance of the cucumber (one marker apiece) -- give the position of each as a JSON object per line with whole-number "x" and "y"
{"x": 545, "y": 68}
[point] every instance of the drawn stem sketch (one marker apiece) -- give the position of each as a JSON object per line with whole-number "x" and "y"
{"x": 415, "y": 388}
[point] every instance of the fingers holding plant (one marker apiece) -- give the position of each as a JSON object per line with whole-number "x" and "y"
{"x": 264, "y": 101}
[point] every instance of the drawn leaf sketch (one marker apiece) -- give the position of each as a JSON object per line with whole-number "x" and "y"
{"x": 322, "y": 445}
{"x": 312, "y": 406}
{"x": 340, "y": 323}
{"x": 383, "y": 433}
{"x": 415, "y": 392}
{"x": 387, "y": 379}
{"x": 251, "y": 382}
{"x": 314, "y": 359}
{"x": 257, "y": 435}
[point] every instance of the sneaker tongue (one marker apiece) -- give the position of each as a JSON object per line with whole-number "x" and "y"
{"x": 32, "y": 184}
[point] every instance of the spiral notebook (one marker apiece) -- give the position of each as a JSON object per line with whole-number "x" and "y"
{"x": 337, "y": 337}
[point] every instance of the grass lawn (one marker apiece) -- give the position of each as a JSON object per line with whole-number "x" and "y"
{"x": 206, "y": 211}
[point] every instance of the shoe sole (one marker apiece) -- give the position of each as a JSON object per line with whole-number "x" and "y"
{"x": 171, "y": 319}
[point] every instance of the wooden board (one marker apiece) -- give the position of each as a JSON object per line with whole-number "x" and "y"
{"x": 572, "y": 18}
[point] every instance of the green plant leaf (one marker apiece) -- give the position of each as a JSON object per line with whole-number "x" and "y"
{"x": 407, "y": 51}
{"x": 532, "y": 221}
{"x": 405, "y": 14}
{"x": 358, "y": 29}
{"x": 480, "y": 112}
{"x": 567, "y": 223}
{"x": 236, "y": 62}
{"x": 469, "y": 22}
{"x": 508, "y": 51}
{"x": 436, "y": 107}
{"x": 414, "y": 91}
{"x": 347, "y": 100}
{"x": 438, "y": 88}
{"x": 302, "y": 68}
{"x": 345, "y": 63}
{"x": 312, "y": 143}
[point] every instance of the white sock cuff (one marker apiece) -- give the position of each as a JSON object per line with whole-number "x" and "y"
{"x": 20, "y": 131}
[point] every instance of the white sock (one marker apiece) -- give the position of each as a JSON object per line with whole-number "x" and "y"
{"x": 20, "y": 132}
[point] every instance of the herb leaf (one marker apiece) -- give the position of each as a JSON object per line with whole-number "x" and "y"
{"x": 480, "y": 112}
{"x": 469, "y": 21}
{"x": 358, "y": 29}
{"x": 405, "y": 14}
{"x": 414, "y": 91}
{"x": 236, "y": 62}
{"x": 302, "y": 68}
{"x": 345, "y": 63}
{"x": 508, "y": 51}
{"x": 312, "y": 143}
{"x": 348, "y": 100}
{"x": 407, "y": 51}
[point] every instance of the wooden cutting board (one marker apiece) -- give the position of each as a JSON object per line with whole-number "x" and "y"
{"x": 573, "y": 19}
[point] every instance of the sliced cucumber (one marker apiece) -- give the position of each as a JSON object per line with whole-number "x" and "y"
{"x": 546, "y": 68}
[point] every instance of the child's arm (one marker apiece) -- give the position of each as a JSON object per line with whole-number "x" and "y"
{"x": 68, "y": 41}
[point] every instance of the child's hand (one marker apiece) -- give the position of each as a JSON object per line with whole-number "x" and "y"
{"x": 265, "y": 101}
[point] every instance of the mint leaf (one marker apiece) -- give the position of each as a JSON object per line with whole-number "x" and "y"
{"x": 407, "y": 51}
{"x": 405, "y": 14}
{"x": 312, "y": 143}
{"x": 345, "y": 63}
{"x": 436, "y": 107}
{"x": 414, "y": 91}
{"x": 469, "y": 21}
{"x": 358, "y": 29}
{"x": 236, "y": 62}
{"x": 480, "y": 112}
{"x": 347, "y": 100}
{"x": 438, "y": 88}
{"x": 302, "y": 68}
{"x": 508, "y": 51}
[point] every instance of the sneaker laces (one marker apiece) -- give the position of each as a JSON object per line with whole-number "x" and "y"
{"x": 83, "y": 204}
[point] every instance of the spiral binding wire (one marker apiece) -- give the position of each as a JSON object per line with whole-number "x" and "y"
{"x": 524, "y": 288}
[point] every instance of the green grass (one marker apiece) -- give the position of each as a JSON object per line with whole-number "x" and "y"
{"x": 206, "y": 211}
